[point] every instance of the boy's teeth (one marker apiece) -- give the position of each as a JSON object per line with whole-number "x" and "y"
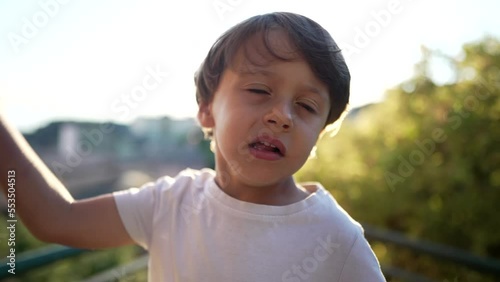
{"x": 268, "y": 144}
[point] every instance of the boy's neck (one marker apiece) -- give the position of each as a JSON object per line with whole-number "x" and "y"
{"x": 279, "y": 194}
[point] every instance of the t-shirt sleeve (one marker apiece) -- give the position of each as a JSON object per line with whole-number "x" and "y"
{"x": 361, "y": 264}
{"x": 137, "y": 206}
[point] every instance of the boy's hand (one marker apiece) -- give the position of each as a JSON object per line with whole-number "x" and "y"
{"x": 47, "y": 208}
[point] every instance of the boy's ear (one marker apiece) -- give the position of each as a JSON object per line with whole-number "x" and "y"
{"x": 205, "y": 116}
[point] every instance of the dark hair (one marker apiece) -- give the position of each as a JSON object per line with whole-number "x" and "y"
{"x": 312, "y": 41}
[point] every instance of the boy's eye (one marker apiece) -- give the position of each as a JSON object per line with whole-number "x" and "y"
{"x": 307, "y": 107}
{"x": 258, "y": 91}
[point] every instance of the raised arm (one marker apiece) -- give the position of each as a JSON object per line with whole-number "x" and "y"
{"x": 45, "y": 205}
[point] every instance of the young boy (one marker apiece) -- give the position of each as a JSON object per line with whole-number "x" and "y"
{"x": 266, "y": 91}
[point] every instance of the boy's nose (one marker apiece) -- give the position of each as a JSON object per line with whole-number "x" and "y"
{"x": 280, "y": 119}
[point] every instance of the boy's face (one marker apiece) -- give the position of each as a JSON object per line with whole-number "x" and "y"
{"x": 266, "y": 114}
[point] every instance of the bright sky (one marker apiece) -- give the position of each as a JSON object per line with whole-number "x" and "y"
{"x": 91, "y": 60}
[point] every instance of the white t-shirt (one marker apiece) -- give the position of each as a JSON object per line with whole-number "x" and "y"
{"x": 196, "y": 232}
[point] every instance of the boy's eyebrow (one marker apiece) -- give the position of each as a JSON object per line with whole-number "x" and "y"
{"x": 253, "y": 71}
{"x": 315, "y": 90}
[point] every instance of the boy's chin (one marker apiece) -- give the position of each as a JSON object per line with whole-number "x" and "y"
{"x": 263, "y": 178}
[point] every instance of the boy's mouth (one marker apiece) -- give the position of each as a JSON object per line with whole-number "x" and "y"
{"x": 267, "y": 148}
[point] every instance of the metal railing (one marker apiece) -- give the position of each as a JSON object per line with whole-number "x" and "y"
{"x": 33, "y": 259}
{"x": 450, "y": 254}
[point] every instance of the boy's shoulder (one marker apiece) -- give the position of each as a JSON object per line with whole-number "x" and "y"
{"x": 331, "y": 212}
{"x": 168, "y": 189}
